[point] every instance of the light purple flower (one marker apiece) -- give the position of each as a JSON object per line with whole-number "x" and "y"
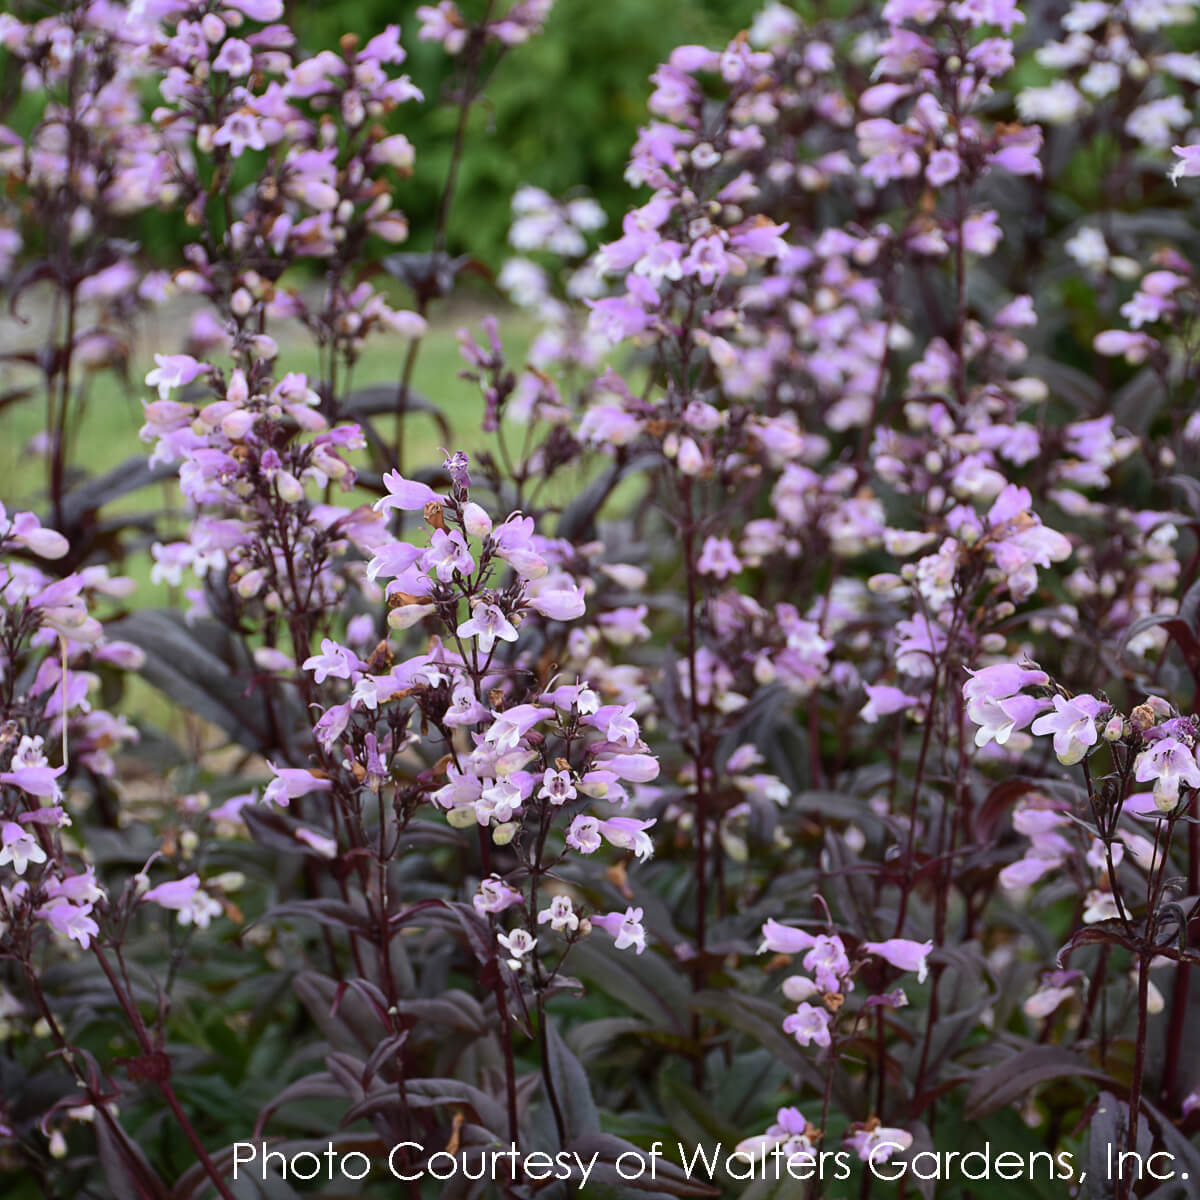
{"x": 1073, "y": 724}
{"x": 1169, "y": 763}
{"x": 511, "y": 725}
{"x": 38, "y": 780}
{"x": 625, "y": 928}
{"x": 486, "y": 624}
{"x": 717, "y": 558}
{"x": 785, "y": 939}
{"x": 557, "y": 787}
{"x": 1001, "y": 681}
{"x": 560, "y": 914}
{"x": 333, "y": 660}
{"x": 494, "y": 896}
{"x": 557, "y": 597}
{"x": 72, "y": 921}
{"x": 809, "y": 1025}
{"x": 447, "y": 554}
{"x": 903, "y": 954}
{"x": 629, "y": 834}
{"x": 583, "y": 834}
{"x": 883, "y": 700}
{"x": 290, "y": 783}
{"x": 18, "y": 848}
{"x": 173, "y": 371}
{"x": 235, "y": 58}
{"x": 406, "y": 494}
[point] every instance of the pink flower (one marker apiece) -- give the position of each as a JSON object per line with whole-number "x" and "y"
{"x": 290, "y": 783}
{"x": 393, "y": 560}
{"x": 629, "y": 834}
{"x": 1135, "y": 348}
{"x": 618, "y": 723}
{"x": 494, "y": 896}
{"x": 443, "y": 24}
{"x": 583, "y": 834}
{"x": 384, "y": 47}
{"x": 72, "y": 921}
{"x": 476, "y": 520}
{"x": 625, "y": 928}
{"x": 40, "y": 781}
{"x": 29, "y": 532}
{"x": 258, "y": 10}
{"x": 633, "y": 768}
{"x": 1169, "y": 763}
{"x": 809, "y": 1025}
{"x": 18, "y": 848}
{"x": 235, "y": 58}
{"x": 511, "y": 725}
{"x": 464, "y": 708}
{"x": 175, "y": 895}
{"x": 717, "y": 558}
{"x": 708, "y": 260}
{"x": 883, "y": 700}
{"x": 557, "y": 787}
{"x": 406, "y": 494}
{"x": 1073, "y": 724}
{"x": 486, "y": 624}
{"x": 999, "y": 719}
{"x": 502, "y": 800}
{"x": 557, "y": 597}
{"x": 518, "y": 943}
{"x": 785, "y": 939}
{"x": 1018, "y": 152}
{"x": 943, "y": 167}
{"x": 1001, "y": 681}
{"x": 1056, "y": 987}
{"x": 903, "y": 954}
{"x": 827, "y": 961}
{"x": 1188, "y": 164}
{"x": 447, "y": 554}
{"x": 333, "y": 660}
{"x": 320, "y": 844}
{"x": 878, "y": 1144}
{"x": 560, "y": 914}
{"x": 172, "y": 371}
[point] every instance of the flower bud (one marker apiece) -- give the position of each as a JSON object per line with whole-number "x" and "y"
{"x": 407, "y": 615}
{"x": 475, "y": 520}
{"x": 503, "y": 834}
{"x": 289, "y": 488}
{"x": 883, "y": 583}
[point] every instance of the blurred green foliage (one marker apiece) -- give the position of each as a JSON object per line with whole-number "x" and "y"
{"x": 560, "y": 112}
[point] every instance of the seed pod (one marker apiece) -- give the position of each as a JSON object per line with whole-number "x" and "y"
{"x": 433, "y": 515}
{"x": 1142, "y": 717}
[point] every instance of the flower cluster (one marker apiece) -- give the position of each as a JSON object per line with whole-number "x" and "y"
{"x": 833, "y": 543}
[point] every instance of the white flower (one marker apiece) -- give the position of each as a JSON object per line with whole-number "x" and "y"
{"x": 19, "y": 848}
{"x": 560, "y": 914}
{"x": 518, "y": 944}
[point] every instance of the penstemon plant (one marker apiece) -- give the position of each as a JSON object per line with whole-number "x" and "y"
{"x": 754, "y": 755}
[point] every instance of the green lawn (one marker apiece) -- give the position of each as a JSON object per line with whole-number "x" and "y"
{"x": 107, "y": 435}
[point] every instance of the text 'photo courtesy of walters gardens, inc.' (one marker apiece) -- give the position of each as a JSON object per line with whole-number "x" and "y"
{"x": 600, "y": 596}
{"x": 661, "y": 1167}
